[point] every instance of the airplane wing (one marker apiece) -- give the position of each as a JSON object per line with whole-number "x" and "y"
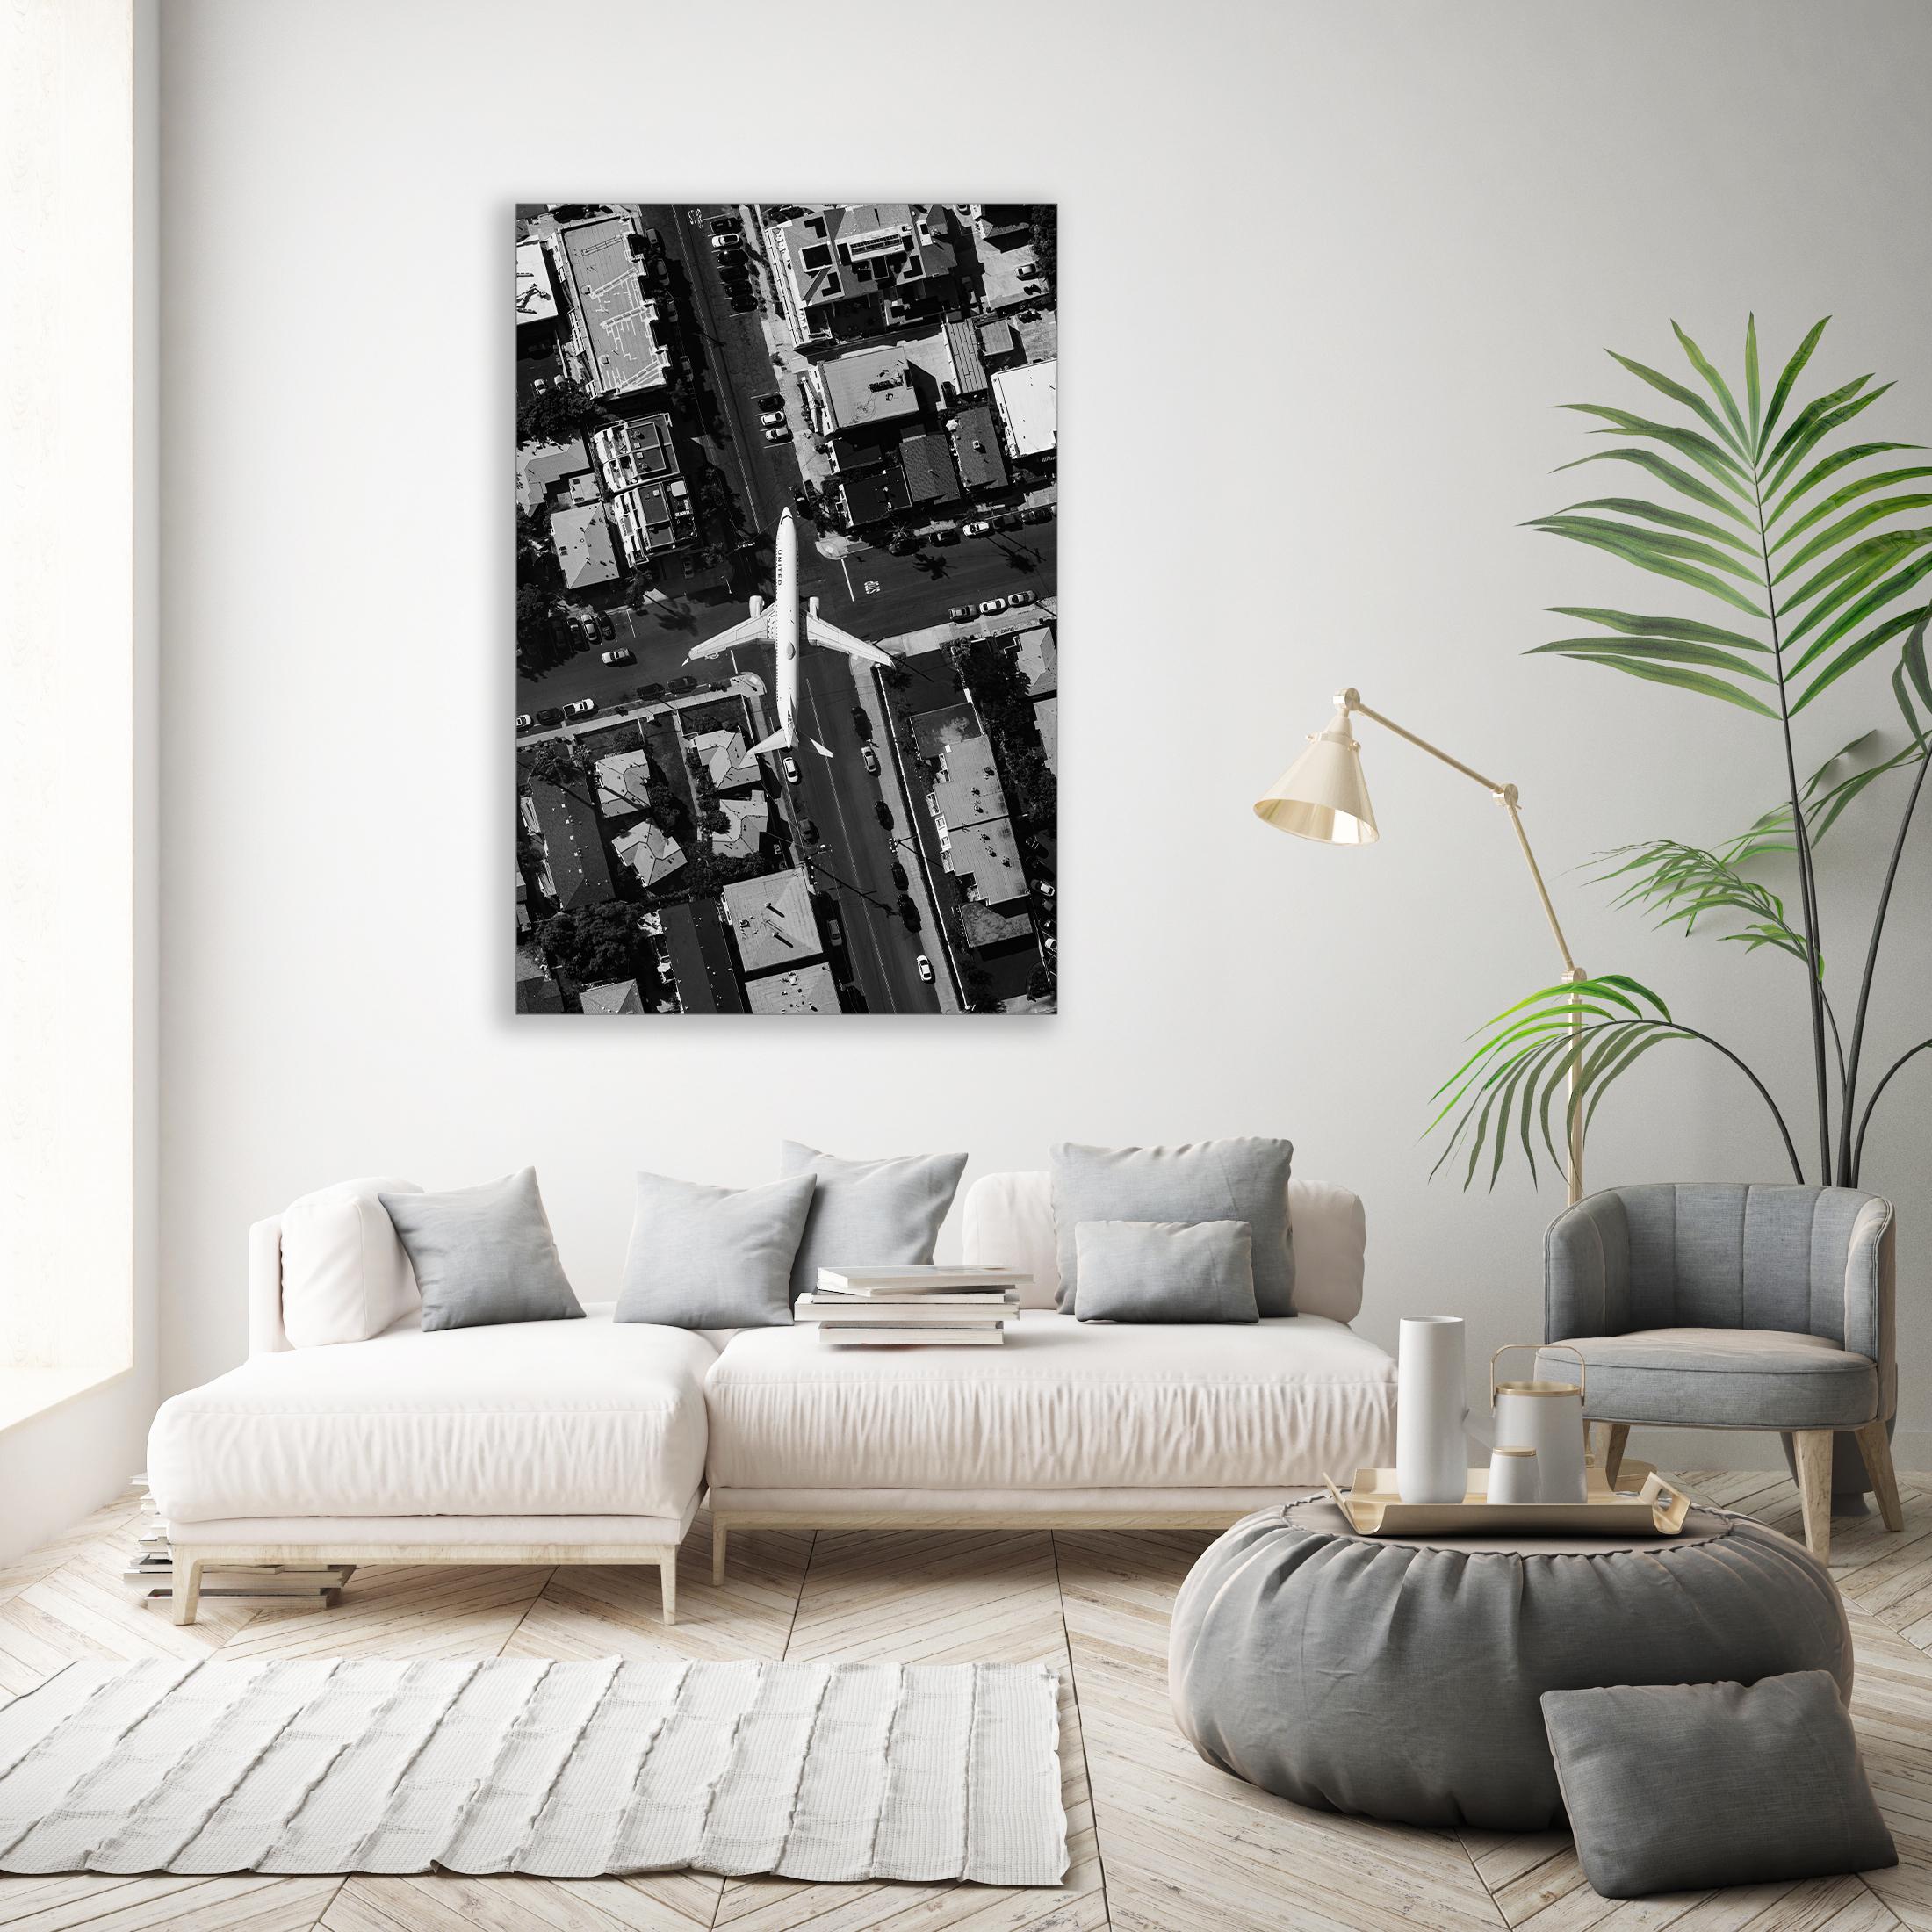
{"x": 756, "y": 630}
{"x": 818, "y": 631}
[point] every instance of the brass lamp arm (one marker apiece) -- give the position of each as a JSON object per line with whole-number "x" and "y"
{"x": 1505, "y": 796}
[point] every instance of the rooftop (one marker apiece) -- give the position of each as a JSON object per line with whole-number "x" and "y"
{"x": 834, "y": 254}
{"x": 1046, "y": 716}
{"x": 805, "y": 989}
{"x": 557, "y": 473}
{"x": 985, "y": 859}
{"x": 969, "y": 790}
{"x": 650, "y": 851}
{"x": 869, "y": 386}
{"x": 572, "y": 842}
{"x": 976, "y": 444}
{"x": 772, "y": 920}
{"x": 653, "y": 516}
{"x": 536, "y": 291}
{"x": 1027, "y": 407}
{"x": 746, "y": 822}
{"x": 1037, "y": 658}
{"x": 623, "y": 783}
{"x": 613, "y": 317}
{"x": 620, "y": 996}
{"x": 581, "y": 539}
{"x": 968, "y": 371}
{"x": 726, "y": 759}
{"x": 635, "y": 451}
{"x": 926, "y": 460}
{"x": 701, "y": 959}
{"x": 873, "y": 495}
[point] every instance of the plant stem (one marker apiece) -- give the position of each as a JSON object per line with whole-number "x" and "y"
{"x": 1801, "y": 836}
{"x": 1850, "y": 1152}
{"x": 1885, "y": 1080}
{"x": 1791, "y": 1151}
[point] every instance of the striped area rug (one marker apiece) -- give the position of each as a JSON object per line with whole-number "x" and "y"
{"x": 568, "y": 1771}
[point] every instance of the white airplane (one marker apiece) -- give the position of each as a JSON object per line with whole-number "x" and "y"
{"x": 781, "y": 624}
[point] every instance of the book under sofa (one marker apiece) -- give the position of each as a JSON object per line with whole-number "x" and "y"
{"x": 593, "y": 1439}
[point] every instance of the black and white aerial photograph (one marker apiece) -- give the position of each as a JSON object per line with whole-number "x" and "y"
{"x": 786, "y": 626}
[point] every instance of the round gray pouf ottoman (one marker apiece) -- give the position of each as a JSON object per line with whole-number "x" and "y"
{"x": 1400, "y": 1679}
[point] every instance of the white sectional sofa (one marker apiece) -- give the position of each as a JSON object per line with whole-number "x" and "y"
{"x": 594, "y": 1441}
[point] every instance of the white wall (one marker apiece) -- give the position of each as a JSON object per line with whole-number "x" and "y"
{"x": 1325, "y": 270}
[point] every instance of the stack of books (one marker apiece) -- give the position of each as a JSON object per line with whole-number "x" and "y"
{"x": 890, "y": 1307}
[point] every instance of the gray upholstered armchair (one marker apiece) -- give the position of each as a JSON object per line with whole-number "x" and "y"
{"x": 1724, "y": 1306}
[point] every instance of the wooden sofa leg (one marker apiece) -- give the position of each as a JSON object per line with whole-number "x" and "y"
{"x": 1609, "y": 1444}
{"x": 717, "y": 1551}
{"x": 186, "y": 1588}
{"x": 667, "y": 1579}
{"x": 1876, "y": 1447}
{"x": 1810, "y": 1449}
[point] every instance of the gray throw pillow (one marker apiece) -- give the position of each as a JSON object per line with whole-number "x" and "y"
{"x": 713, "y": 1257}
{"x": 1680, "y": 1787}
{"x": 866, "y": 1214}
{"x": 1166, "y": 1271}
{"x": 1205, "y": 1180}
{"x": 483, "y": 1255}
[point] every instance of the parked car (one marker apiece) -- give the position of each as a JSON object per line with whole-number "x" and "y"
{"x": 729, "y": 254}
{"x": 582, "y": 708}
{"x": 869, "y": 759}
{"x": 723, "y": 235}
{"x": 681, "y": 685}
{"x": 778, "y": 433}
{"x": 1037, "y": 513}
{"x": 926, "y": 969}
{"x": 1044, "y": 888}
{"x": 772, "y": 399}
{"x": 789, "y": 765}
{"x": 726, "y": 224}
{"x": 861, "y": 721}
{"x": 900, "y": 880}
{"x": 990, "y": 607}
{"x": 979, "y": 527}
{"x": 961, "y": 613}
{"x": 1016, "y": 598}
{"x": 621, "y": 655}
{"x": 902, "y": 547}
{"x": 606, "y": 629}
{"x": 882, "y": 812}
{"x": 945, "y": 534}
{"x": 1052, "y": 944}
{"x": 588, "y": 624}
{"x": 524, "y": 721}
{"x": 742, "y": 303}
{"x": 769, "y": 417}
{"x": 1006, "y": 520}
{"x": 649, "y": 693}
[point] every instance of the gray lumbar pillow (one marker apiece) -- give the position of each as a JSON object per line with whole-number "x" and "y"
{"x": 866, "y": 1214}
{"x": 1680, "y": 1787}
{"x": 713, "y": 1257}
{"x": 483, "y": 1255}
{"x": 1207, "y": 1180}
{"x": 1164, "y": 1271}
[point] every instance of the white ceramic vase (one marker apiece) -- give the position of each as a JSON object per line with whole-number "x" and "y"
{"x": 1431, "y": 1405}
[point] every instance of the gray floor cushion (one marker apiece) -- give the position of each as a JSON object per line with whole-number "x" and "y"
{"x": 1679, "y": 1787}
{"x": 1402, "y": 1679}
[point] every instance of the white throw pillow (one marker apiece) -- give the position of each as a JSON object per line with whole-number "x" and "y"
{"x": 344, "y": 1274}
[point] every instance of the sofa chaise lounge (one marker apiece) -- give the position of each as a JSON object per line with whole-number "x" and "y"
{"x": 594, "y": 1441}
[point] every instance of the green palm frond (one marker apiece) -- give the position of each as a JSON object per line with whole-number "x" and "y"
{"x": 1741, "y": 514}
{"x": 1683, "y": 885}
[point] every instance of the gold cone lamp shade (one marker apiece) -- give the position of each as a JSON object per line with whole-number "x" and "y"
{"x": 1323, "y": 794}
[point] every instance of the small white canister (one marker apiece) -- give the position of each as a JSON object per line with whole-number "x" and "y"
{"x": 1512, "y": 1475}
{"x": 1547, "y": 1417}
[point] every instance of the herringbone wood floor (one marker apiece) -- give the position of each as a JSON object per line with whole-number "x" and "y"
{"x": 1160, "y": 1842}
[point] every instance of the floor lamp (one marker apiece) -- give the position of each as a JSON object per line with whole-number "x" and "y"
{"x": 1322, "y": 796}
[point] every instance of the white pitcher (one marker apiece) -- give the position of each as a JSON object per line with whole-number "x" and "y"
{"x": 1547, "y": 1417}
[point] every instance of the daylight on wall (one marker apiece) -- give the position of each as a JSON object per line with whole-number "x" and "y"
{"x": 787, "y": 623}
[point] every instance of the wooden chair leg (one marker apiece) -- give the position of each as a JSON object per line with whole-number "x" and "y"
{"x": 1810, "y": 1448}
{"x": 186, "y": 1587}
{"x": 667, "y": 1578}
{"x": 1610, "y": 1439}
{"x": 717, "y": 1551}
{"x": 1876, "y": 1447}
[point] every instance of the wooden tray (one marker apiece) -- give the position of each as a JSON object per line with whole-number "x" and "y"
{"x": 1643, "y": 1504}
